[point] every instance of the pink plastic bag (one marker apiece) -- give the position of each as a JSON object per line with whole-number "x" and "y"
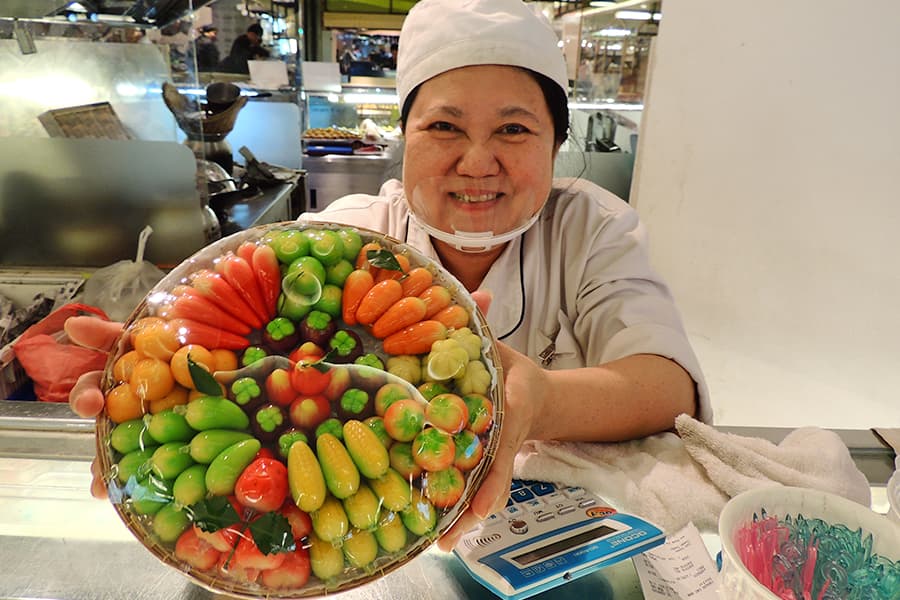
{"x": 50, "y": 360}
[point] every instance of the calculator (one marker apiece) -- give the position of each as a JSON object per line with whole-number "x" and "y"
{"x": 548, "y": 535}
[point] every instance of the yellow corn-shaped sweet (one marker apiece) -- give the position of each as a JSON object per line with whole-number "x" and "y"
{"x": 368, "y": 453}
{"x": 360, "y": 548}
{"x": 363, "y": 508}
{"x": 305, "y": 477}
{"x": 391, "y": 533}
{"x": 393, "y": 491}
{"x": 341, "y": 475}
{"x": 326, "y": 559}
{"x": 419, "y": 516}
{"x": 330, "y": 521}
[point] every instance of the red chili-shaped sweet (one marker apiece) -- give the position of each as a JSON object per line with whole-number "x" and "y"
{"x": 189, "y": 331}
{"x": 268, "y": 276}
{"x": 214, "y": 287}
{"x": 239, "y": 274}
{"x": 192, "y": 305}
{"x": 246, "y": 250}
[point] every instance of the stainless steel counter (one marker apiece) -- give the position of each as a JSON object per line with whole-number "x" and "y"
{"x": 57, "y": 542}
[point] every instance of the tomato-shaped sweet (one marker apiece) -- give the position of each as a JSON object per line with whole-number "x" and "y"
{"x": 263, "y": 485}
{"x": 309, "y": 379}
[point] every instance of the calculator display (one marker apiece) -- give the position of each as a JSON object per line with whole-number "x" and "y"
{"x": 543, "y": 552}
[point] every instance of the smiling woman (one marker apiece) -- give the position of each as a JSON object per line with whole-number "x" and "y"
{"x": 593, "y": 346}
{"x": 479, "y": 158}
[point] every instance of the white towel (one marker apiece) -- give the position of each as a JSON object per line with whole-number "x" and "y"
{"x": 673, "y": 481}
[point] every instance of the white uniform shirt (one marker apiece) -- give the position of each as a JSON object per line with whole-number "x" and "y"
{"x": 575, "y": 290}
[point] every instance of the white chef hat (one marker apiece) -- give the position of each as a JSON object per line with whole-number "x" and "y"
{"x": 440, "y": 35}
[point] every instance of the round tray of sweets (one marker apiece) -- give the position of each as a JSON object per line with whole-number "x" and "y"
{"x": 299, "y": 409}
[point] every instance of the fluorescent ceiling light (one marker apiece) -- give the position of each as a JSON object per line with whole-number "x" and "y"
{"x": 612, "y": 32}
{"x": 637, "y": 15}
{"x": 370, "y": 98}
{"x": 602, "y": 3}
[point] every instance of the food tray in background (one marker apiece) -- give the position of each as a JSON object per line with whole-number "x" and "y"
{"x": 22, "y": 286}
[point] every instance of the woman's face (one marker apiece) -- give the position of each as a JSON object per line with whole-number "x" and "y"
{"x": 479, "y": 149}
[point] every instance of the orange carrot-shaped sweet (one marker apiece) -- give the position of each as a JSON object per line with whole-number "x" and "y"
{"x": 402, "y": 313}
{"x": 356, "y": 286}
{"x": 394, "y": 273}
{"x": 415, "y": 339}
{"x": 362, "y": 259}
{"x": 454, "y": 316}
{"x": 378, "y": 300}
{"x": 437, "y": 297}
{"x": 416, "y": 281}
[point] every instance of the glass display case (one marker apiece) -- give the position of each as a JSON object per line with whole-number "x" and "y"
{"x": 613, "y": 51}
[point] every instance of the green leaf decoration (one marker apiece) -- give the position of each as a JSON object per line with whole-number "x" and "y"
{"x": 213, "y": 514}
{"x": 203, "y": 379}
{"x": 383, "y": 259}
{"x": 322, "y": 365}
{"x": 272, "y": 534}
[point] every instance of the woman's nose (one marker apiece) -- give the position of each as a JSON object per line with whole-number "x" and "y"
{"x": 478, "y": 160}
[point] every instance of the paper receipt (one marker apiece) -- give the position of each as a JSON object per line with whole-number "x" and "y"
{"x": 679, "y": 569}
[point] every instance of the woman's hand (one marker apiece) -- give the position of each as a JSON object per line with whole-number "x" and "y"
{"x": 524, "y": 384}
{"x": 86, "y": 397}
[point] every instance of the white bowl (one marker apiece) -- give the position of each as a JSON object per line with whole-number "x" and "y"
{"x": 736, "y": 581}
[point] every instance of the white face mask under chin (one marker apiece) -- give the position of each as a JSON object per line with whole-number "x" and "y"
{"x": 475, "y": 242}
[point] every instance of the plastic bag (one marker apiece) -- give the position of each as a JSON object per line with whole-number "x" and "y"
{"x": 118, "y": 288}
{"x": 50, "y": 360}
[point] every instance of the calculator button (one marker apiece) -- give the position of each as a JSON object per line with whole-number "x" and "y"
{"x": 516, "y": 484}
{"x": 554, "y": 498}
{"x": 544, "y": 517}
{"x": 584, "y": 503}
{"x": 521, "y": 495}
{"x": 509, "y": 502}
{"x": 542, "y": 489}
{"x": 534, "y": 505}
{"x": 512, "y": 511}
{"x": 573, "y": 492}
{"x": 566, "y": 509}
{"x": 518, "y": 526}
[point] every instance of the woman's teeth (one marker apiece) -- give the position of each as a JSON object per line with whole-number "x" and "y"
{"x": 475, "y": 197}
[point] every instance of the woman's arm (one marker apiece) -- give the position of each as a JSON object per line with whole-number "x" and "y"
{"x": 624, "y": 399}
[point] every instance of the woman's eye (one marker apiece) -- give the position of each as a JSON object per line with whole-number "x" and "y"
{"x": 513, "y": 129}
{"x": 442, "y": 126}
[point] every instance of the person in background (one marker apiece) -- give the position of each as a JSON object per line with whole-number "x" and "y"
{"x": 247, "y": 46}
{"x": 591, "y": 343}
{"x": 206, "y": 51}
{"x": 175, "y": 36}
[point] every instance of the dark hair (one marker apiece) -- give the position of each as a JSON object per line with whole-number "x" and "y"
{"x": 554, "y": 96}
{"x": 255, "y": 28}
